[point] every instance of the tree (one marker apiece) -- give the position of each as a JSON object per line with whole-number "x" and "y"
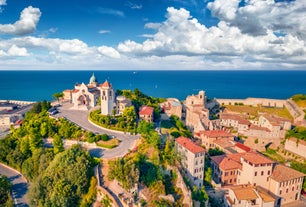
{"x": 35, "y": 139}
{"x": 208, "y": 175}
{"x": 58, "y": 145}
{"x": 58, "y": 96}
{"x": 5, "y": 189}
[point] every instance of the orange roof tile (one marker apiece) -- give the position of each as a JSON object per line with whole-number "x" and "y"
{"x": 216, "y": 133}
{"x": 256, "y": 158}
{"x": 189, "y": 145}
{"x": 255, "y": 127}
{"x": 235, "y": 117}
{"x": 282, "y": 173}
{"x": 227, "y": 161}
{"x": 243, "y": 147}
{"x": 106, "y": 84}
{"x": 244, "y": 192}
{"x": 146, "y": 110}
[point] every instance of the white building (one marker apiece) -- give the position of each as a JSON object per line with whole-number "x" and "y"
{"x": 107, "y": 98}
{"x": 192, "y": 159}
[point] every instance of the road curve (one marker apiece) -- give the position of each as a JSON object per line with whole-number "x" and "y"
{"x": 20, "y": 185}
{"x": 80, "y": 118}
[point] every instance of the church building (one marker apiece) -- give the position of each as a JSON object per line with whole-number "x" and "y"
{"x": 86, "y": 96}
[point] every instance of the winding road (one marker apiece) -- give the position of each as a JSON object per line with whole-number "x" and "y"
{"x": 80, "y": 118}
{"x": 20, "y": 185}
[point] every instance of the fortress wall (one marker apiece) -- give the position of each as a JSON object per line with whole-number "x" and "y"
{"x": 18, "y": 102}
{"x": 254, "y": 102}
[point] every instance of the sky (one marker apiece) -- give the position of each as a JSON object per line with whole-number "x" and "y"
{"x": 153, "y": 35}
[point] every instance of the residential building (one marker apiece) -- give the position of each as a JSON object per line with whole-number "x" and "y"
{"x": 146, "y": 113}
{"x": 208, "y": 138}
{"x": 122, "y": 103}
{"x": 237, "y": 122}
{"x": 192, "y": 159}
{"x": 172, "y": 107}
{"x": 225, "y": 168}
{"x": 296, "y": 146}
{"x": 248, "y": 195}
{"x": 286, "y": 182}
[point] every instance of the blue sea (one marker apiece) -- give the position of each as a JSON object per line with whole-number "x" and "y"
{"x": 40, "y": 85}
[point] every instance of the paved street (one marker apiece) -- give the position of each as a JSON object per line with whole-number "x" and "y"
{"x": 80, "y": 117}
{"x": 20, "y": 186}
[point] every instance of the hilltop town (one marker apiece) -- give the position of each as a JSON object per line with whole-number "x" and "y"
{"x": 167, "y": 152}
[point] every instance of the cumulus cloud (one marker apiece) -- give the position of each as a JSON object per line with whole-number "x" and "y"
{"x": 26, "y": 24}
{"x": 109, "y": 52}
{"x": 257, "y": 17}
{"x": 2, "y": 3}
{"x": 181, "y": 34}
{"x": 17, "y": 51}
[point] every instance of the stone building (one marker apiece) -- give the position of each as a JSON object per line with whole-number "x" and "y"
{"x": 146, "y": 113}
{"x": 192, "y": 159}
{"x": 296, "y": 146}
{"x": 172, "y": 107}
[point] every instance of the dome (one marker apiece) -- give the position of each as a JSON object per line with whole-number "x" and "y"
{"x": 93, "y": 79}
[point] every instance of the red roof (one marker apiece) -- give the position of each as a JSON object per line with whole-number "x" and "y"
{"x": 189, "y": 145}
{"x": 255, "y": 127}
{"x": 257, "y": 158}
{"x": 227, "y": 162}
{"x": 216, "y": 133}
{"x": 243, "y": 147}
{"x": 106, "y": 84}
{"x": 146, "y": 110}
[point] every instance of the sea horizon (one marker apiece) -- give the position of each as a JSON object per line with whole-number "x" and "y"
{"x": 34, "y": 85}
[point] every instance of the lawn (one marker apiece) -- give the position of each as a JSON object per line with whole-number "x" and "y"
{"x": 109, "y": 144}
{"x": 254, "y": 111}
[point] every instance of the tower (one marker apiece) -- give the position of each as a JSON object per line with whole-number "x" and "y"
{"x": 93, "y": 80}
{"x": 107, "y": 98}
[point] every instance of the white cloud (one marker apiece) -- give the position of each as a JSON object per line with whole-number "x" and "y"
{"x": 27, "y": 23}
{"x": 256, "y": 17}
{"x": 104, "y": 31}
{"x": 133, "y": 5}
{"x": 181, "y": 34}
{"x": 109, "y": 52}
{"x": 109, "y": 11}
{"x": 17, "y": 51}
{"x": 2, "y": 3}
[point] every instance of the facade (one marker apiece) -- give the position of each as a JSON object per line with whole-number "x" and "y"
{"x": 146, "y": 113}
{"x": 172, "y": 107}
{"x": 6, "y": 120}
{"x": 83, "y": 96}
{"x": 192, "y": 159}
{"x": 197, "y": 115}
{"x": 235, "y": 121}
{"x": 107, "y": 98}
{"x": 121, "y": 104}
{"x": 296, "y": 146}
{"x": 247, "y": 195}
{"x": 286, "y": 183}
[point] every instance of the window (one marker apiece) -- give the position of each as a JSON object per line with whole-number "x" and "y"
{"x": 262, "y": 172}
{"x": 287, "y": 190}
{"x": 255, "y": 174}
{"x": 268, "y": 172}
{"x": 226, "y": 173}
{"x": 280, "y": 192}
{"x": 293, "y": 188}
{"x": 230, "y": 180}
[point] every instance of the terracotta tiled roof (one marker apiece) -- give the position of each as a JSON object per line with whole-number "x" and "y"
{"x": 75, "y": 91}
{"x": 216, "y": 133}
{"x": 224, "y": 142}
{"x": 238, "y": 118}
{"x": 244, "y": 192}
{"x": 282, "y": 173}
{"x": 243, "y": 147}
{"x": 106, "y": 84}
{"x": 256, "y": 158}
{"x": 146, "y": 110}
{"x": 228, "y": 161}
{"x": 189, "y": 145}
{"x": 255, "y": 127}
